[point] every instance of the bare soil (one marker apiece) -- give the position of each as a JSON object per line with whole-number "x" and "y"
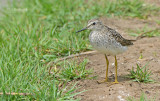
{"x": 148, "y": 47}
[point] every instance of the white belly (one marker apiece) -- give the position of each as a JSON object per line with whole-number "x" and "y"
{"x": 106, "y": 45}
{"x": 110, "y": 50}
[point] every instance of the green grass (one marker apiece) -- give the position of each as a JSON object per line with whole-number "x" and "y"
{"x": 37, "y": 81}
{"x": 71, "y": 70}
{"x": 143, "y": 97}
{"x": 158, "y": 22}
{"x": 141, "y": 74}
{"x": 38, "y": 92}
{"x": 74, "y": 71}
{"x": 35, "y": 32}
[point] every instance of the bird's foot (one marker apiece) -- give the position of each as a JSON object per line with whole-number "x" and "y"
{"x": 102, "y": 81}
{"x": 107, "y": 81}
{"x": 115, "y": 82}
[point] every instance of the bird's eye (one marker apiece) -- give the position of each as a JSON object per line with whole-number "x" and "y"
{"x": 94, "y": 23}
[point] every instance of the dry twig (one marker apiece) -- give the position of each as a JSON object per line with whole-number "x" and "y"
{"x": 75, "y": 55}
{"x": 141, "y": 35}
{"x": 68, "y": 57}
{"x": 13, "y": 93}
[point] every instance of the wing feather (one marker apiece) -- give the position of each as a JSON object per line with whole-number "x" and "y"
{"x": 119, "y": 38}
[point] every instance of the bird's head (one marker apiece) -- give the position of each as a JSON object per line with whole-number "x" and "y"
{"x": 93, "y": 24}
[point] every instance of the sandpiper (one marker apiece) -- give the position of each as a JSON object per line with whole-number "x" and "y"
{"x": 107, "y": 41}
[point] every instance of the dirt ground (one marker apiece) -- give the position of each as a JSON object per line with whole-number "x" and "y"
{"x": 148, "y": 47}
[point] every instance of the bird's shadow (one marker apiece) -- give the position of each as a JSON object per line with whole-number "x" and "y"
{"x": 121, "y": 78}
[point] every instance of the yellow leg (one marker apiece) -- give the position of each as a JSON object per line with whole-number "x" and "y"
{"x": 106, "y": 79}
{"x": 116, "y": 81}
{"x": 107, "y": 62}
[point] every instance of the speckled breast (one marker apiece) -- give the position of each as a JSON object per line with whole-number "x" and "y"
{"x": 105, "y": 44}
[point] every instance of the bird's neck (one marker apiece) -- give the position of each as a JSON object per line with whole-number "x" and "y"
{"x": 99, "y": 29}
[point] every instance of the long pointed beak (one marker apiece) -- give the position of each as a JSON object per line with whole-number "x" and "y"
{"x": 81, "y": 30}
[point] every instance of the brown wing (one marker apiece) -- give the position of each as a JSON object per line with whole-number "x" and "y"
{"x": 119, "y": 38}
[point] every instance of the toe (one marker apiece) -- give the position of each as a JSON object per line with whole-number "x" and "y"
{"x": 116, "y": 82}
{"x": 102, "y": 81}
